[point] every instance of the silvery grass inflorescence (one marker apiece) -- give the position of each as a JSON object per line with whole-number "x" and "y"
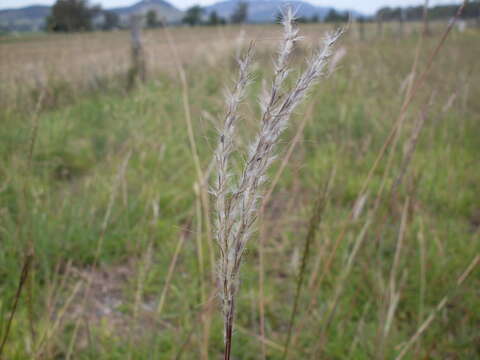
{"x": 237, "y": 199}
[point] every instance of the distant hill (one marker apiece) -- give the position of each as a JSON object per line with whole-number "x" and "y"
{"x": 32, "y": 18}
{"x": 260, "y": 11}
{"x": 25, "y": 19}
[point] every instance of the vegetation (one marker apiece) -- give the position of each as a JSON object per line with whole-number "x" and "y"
{"x": 372, "y": 210}
{"x": 72, "y": 15}
{"x": 214, "y": 19}
{"x": 240, "y": 14}
{"x": 111, "y": 21}
{"x": 193, "y": 16}
{"x": 196, "y": 16}
{"x": 152, "y": 20}
{"x": 335, "y": 16}
{"x": 438, "y": 12}
{"x": 237, "y": 204}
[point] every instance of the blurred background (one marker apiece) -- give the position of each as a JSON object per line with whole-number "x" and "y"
{"x": 109, "y": 116}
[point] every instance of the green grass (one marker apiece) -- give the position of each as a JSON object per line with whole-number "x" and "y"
{"x": 61, "y": 201}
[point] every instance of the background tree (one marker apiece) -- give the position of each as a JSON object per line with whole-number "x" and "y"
{"x": 72, "y": 15}
{"x": 302, "y": 20}
{"x": 477, "y": 16}
{"x": 193, "y": 16}
{"x": 438, "y": 12}
{"x": 240, "y": 13}
{"x": 214, "y": 19}
{"x": 110, "y": 20}
{"x": 152, "y": 19}
{"x": 335, "y": 16}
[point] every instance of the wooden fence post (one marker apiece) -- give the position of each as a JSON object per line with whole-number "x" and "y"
{"x": 138, "y": 69}
{"x": 426, "y": 27}
{"x": 361, "y": 28}
{"x": 401, "y": 23}
{"x": 379, "y": 25}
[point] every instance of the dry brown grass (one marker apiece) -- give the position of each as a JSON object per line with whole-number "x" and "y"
{"x": 81, "y": 62}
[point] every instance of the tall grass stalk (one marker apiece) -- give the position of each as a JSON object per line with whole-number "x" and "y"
{"x": 24, "y": 225}
{"x": 315, "y": 221}
{"x": 265, "y": 201}
{"x": 418, "y": 83}
{"x": 23, "y": 279}
{"x": 236, "y": 202}
{"x": 98, "y": 249}
{"x": 199, "y": 187}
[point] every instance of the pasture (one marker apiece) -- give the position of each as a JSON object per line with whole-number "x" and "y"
{"x": 105, "y": 198}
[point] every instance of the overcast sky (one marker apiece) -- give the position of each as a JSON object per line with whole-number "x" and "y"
{"x": 365, "y": 6}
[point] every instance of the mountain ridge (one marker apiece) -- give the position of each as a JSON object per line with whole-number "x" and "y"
{"x": 267, "y": 10}
{"x": 32, "y": 17}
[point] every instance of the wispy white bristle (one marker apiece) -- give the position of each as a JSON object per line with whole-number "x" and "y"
{"x": 236, "y": 205}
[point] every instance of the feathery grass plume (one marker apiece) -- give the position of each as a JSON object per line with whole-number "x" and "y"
{"x": 237, "y": 204}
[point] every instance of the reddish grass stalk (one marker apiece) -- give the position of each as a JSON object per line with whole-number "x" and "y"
{"x": 315, "y": 221}
{"x": 229, "y": 330}
{"x": 30, "y": 251}
{"x": 21, "y": 283}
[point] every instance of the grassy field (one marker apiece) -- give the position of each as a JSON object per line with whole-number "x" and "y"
{"x": 99, "y": 191}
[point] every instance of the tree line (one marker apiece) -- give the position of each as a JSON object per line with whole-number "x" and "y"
{"x": 438, "y": 12}
{"x": 197, "y": 15}
{"x": 79, "y": 15}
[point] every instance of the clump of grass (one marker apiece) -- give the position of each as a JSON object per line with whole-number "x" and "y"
{"x": 237, "y": 201}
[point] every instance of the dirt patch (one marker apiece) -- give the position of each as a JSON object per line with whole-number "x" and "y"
{"x": 475, "y": 220}
{"x": 108, "y": 300}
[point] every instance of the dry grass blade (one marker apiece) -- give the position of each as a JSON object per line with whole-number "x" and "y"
{"x": 199, "y": 187}
{"x": 437, "y": 309}
{"x": 359, "y": 331}
{"x": 340, "y": 285}
{"x": 25, "y": 276}
{"x": 171, "y": 269}
{"x": 106, "y": 221}
{"x": 191, "y": 138}
{"x": 411, "y": 95}
{"x": 48, "y": 335}
{"x": 266, "y": 199}
{"x": 205, "y": 308}
{"x": 263, "y": 340}
{"x": 315, "y": 220}
{"x": 411, "y": 146}
{"x": 393, "y": 292}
